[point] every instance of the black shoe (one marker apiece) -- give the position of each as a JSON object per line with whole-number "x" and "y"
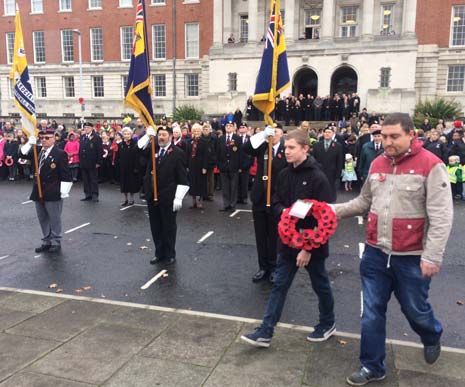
{"x": 232, "y": 209}
{"x": 362, "y": 377}
{"x": 170, "y": 261}
{"x": 124, "y": 204}
{"x": 259, "y": 275}
{"x": 225, "y": 209}
{"x": 54, "y": 249}
{"x": 86, "y": 199}
{"x": 260, "y": 338}
{"x": 131, "y": 203}
{"x": 95, "y": 199}
{"x": 208, "y": 199}
{"x": 432, "y": 352}
{"x": 321, "y": 333}
{"x": 42, "y": 248}
{"x": 272, "y": 277}
{"x": 155, "y": 260}
{"x": 242, "y": 202}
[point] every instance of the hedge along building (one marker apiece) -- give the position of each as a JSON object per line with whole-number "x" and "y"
{"x": 368, "y": 47}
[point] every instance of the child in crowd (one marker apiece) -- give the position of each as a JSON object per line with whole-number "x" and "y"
{"x": 24, "y": 165}
{"x": 348, "y": 174}
{"x": 72, "y": 149}
{"x": 11, "y": 156}
{"x": 455, "y": 171}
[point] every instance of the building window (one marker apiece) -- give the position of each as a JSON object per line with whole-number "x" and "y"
{"x": 192, "y": 85}
{"x": 232, "y": 81}
{"x": 67, "y": 46}
{"x": 125, "y": 3}
{"x": 98, "y": 86}
{"x": 159, "y": 85}
{"x": 39, "y": 46}
{"x": 127, "y": 35}
{"x": 312, "y": 23}
{"x": 349, "y": 22}
{"x": 41, "y": 87}
{"x": 244, "y": 29}
{"x": 11, "y": 88}
{"x": 455, "y": 78}
{"x": 124, "y": 84}
{"x": 192, "y": 40}
{"x": 96, "y": 44}
{"x": 9, "y": 7}
{"x": 458, "y": 25}
{"x": 68, "y": 84}
{"x": 95, "y": 4}
{"x": 65, "y": 5}
{"x": 158, "y": 2}
{"x": 387, "y": 19}
{"x": 159, "y": 41}
{"x": 385, "y": 78}
{"x": 37, "y": 6}
{"x": 10, "y": 46}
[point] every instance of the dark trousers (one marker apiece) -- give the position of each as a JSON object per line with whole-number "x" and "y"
{"x": 229, "y": 180}
{"x": 379, "y": 279}
{"x": 210, "y": 184}
{"x": 243, "y": 183}
{"x": 266, "y": 237}
{"x": 285, "y": 273}
{"x": 90, "y": 180}
{"x": 163, "y": 227}
{"x": 457, "y": 189}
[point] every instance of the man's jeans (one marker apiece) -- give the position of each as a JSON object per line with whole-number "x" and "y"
{"x": 380, "y": 277}
{"x": 285, "y": 272}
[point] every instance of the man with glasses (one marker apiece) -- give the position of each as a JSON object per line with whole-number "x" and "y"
{"x": 56, "y": 182}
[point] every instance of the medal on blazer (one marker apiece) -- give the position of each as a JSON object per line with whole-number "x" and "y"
{"x": 53, "y": 165}
{"x": 234, "y": 148}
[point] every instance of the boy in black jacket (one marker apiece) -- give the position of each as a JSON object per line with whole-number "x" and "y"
{"x": 302, "y": 179}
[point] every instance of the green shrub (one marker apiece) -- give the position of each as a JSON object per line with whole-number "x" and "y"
{"x": 187, "y": 112}
{"x": 436, "y": 109}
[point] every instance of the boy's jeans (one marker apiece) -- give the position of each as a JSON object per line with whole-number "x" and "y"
{"x": 404, "y": 278}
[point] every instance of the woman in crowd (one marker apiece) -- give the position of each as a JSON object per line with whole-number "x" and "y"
{"x": 128, "y": 152}
{"x": 198, "y": 163}
{"x": 72, "y": 149}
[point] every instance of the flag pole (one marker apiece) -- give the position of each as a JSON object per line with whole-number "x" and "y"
{"x": 154, "y": 169}
{"x": 37, "y": 173}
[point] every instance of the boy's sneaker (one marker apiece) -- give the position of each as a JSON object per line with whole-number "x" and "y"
{"x": 321, "y": 333}
{"x": 260, "y": 338}
{"x": 362, "y": 377}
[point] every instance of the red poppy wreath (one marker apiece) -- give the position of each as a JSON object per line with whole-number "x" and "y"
{"x": 308, "y": 239}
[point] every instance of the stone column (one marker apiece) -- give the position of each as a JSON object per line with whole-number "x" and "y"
{"x": 291, "y": 24}
{"x": 253, "y": 21}
{"x": 409, "y": 18}
{"x": 218, "y": 23}
{"x": 227, "y": 21}
{"x": 367, "y": 20}
{"x": 327, "y": 20}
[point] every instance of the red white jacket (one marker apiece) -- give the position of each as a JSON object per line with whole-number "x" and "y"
{"x": 409, "y": 202}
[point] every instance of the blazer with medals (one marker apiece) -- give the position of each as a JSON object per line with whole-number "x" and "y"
{"x": 171, "y": 172}
{"x": 54, "y": 170}
{"x": 228, "y": 156}
{"x": 258, "y": 193}
{"x": 90, "y": 150}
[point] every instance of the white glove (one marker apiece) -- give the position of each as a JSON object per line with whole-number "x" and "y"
{"x": 143, "y": 141}
{"x": 65, "y": 188}
{"x": 181, "y": 191}
{"x": 269, "y": 131}
{"x": 27, "y": 147}
{"x": 150, "y": 132}
{"x": 32, "y": 140}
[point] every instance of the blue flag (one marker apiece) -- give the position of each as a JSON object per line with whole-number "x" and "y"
{"x": 138, "y": 92}
{"x": 273, "y": 76}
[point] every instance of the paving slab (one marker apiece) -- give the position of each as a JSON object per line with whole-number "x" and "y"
{"x": 64, "y": 321}
{"x": 95, "y": 355}
{"x": 17, "y": 352}
{"x": 146, "y": 319}
{"x": 31, "y": 379}
{"x": 195, "y": 340}
{"x": 144, "y": 371}
{"x": 330, "y": 363}
{"x": 448, "y": 364}
{"x": 4, "y": 294}
{"x": 9, "y": 317}
{"x": 420, "y": 379}
{"x": 247, "y": 366}
{"x": 30, "y": 302}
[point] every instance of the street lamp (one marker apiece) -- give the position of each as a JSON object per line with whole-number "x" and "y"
{"x": 81, "y": 98}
